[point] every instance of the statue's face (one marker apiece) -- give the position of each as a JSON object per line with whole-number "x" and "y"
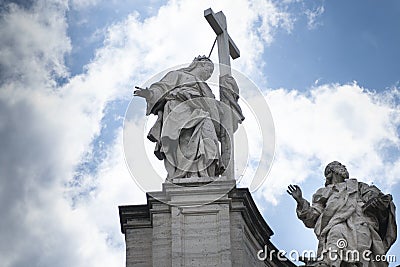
{"x": 206, "y": 69}
{"x": 328, "y": 179}
{"x": 333, "y": 178}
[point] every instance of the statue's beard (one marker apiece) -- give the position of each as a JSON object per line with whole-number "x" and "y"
{"x": 328, "y": 181}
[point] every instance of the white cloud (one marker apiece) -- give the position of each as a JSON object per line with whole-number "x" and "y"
{"x": 33, "y": 40}
{"x": 82, "y": 4}
{"x": 154, "y": 42}
{"x": 44, "y": 132}
{"x": 46, "y": 129}
{"x": 313, "y": 16}
{"x": 335, "y": 122}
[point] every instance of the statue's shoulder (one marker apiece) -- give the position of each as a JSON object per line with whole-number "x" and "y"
{"x": 179, "y": 75}
{"x": 172, "y": 73}
{"x": 321, "y": 190}
{"x": 322, "y": 194}
{"x": 172, "y": 77}
{"x": 364, "y": 186}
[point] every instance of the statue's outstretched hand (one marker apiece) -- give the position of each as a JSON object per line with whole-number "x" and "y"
{"x": 295, "y": 192}
{"x": 142, "y": 92}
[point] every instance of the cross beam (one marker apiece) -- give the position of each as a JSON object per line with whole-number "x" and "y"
{"x": 226, "y": 49}
{"x": 226, "y": 46}
{"x": 219, "y": 26}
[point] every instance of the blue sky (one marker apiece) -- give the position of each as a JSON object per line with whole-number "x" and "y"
{"x": 349, "y": 41}
{"x": 329, "y": 71}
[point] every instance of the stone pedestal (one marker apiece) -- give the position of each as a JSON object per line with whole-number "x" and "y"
{"x": 197, "y": 222}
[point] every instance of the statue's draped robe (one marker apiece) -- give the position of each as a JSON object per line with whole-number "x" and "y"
{"x": 229, "y": 94}
{"x": 188, "y": 124}
{"x": 338, "y": 212}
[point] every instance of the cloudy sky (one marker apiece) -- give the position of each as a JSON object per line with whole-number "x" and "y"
{"x": 329, "y": 71}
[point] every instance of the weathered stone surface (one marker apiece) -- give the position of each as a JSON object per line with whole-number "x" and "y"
{"x": 350, "y": 219}
{"x": 197, "y": 223}
{"x": 161, "y": 235}
{"x": 191, "y": 124}
{"x": 138, "y": 247}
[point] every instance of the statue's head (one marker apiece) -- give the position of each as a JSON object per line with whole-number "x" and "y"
{"x": 335, "y": 172}
{"x": 202, "y": 67}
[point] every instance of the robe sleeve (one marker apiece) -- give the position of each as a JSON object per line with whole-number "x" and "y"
{"x": 160, "y": 91}
{"x": 230, "y": 96}
{"x": 385, "y": 213}
{"x": 309, "y": 214}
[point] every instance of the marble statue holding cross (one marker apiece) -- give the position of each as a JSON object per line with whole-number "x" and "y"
{"x": 194, "y": 131}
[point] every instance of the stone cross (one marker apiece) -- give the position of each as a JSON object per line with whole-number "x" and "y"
{"x": 226, "y": 48}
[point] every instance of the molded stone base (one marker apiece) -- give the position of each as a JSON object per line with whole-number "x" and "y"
{"x": 197, "y": 222}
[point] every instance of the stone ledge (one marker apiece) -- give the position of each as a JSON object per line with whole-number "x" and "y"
{"x": 235, "y": 212}
{"x": 250, "y": 212}
{"x": 134, "y": 216}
